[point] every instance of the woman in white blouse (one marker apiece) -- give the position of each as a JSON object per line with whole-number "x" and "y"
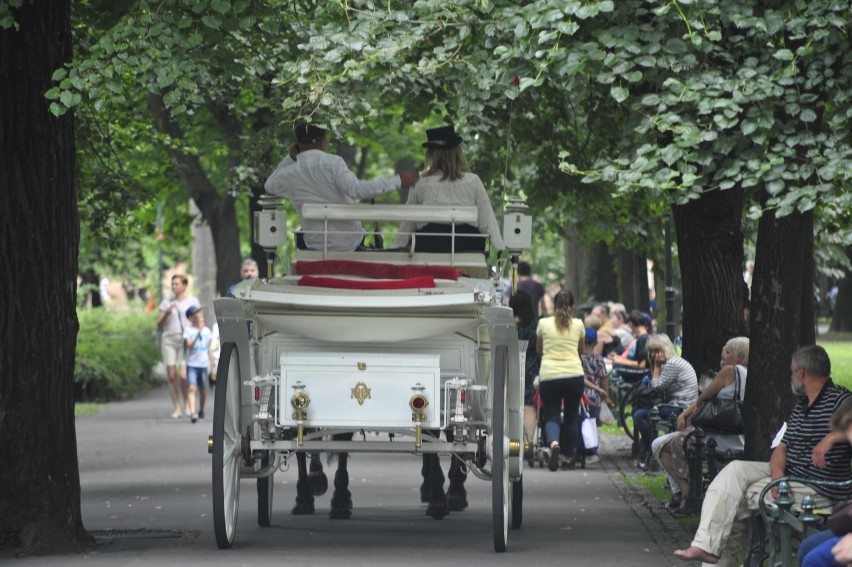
{"x": 447, "y": 181}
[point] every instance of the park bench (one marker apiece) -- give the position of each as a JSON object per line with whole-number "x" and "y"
{"x": 705, "y": 462}
{"x": 775, "y": 526}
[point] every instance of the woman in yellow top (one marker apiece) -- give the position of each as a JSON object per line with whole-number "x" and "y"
{"x": 561, "y": 340}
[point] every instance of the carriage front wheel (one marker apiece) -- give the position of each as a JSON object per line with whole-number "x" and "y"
{"x": 226, "y": 446}
{"x": 499, "y": 454}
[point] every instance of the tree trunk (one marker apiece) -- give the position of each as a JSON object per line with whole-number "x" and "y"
{"x": 39, "y": 478}
{"x": 841, "y": 318}
{"x": 603, "y": 283}
{"x": 782, "y": 320}
{"x": 710, "y": 252}
{"x": 574, "y": 255}
{"x": 633, "y": 280}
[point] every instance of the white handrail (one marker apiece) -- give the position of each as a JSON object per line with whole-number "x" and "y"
{"x": 386, "y": 212}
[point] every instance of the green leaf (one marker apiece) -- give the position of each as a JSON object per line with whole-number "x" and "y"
{"x": 212, "y": 22}
{"x": 783, "y": 55}
{"x": 59, "y": 74}
{"x": 620, "y": 94}
{"x": 807, "y": 115}
{"x": 67, "y": 98}
{"x": 52, "y": 94}
{"x": 221, "y": 6}
{"x": 57, "y": 109}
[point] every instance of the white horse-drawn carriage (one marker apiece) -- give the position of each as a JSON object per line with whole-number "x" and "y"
{"x": 393, "y": 342}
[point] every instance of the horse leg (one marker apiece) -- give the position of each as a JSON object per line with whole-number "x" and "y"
{"x": 341, "y": 499}
{"x": 316, "y": 476}
{"x": 438, "y": 499}
{"x": 456, "y": 494}
{"x": 425, "y": 489}
{"x": 304, "y": 495}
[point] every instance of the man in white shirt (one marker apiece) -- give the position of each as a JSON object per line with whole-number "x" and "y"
{"x": 310, "y": 175}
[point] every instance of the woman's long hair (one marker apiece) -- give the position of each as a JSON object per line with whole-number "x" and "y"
{"x": 450, "y": 162}
{"x": 563, "y": 310}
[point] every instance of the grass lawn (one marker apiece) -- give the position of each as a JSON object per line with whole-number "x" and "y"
{"x": 85, "y": 410}
{"x": 840, "y": 353}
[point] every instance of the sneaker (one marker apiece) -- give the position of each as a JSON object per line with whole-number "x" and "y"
{"x": 177, "y": 415}
{"x": 553, "y": 461}
{"x": 201, "y": 415}
{"x": 193, "y": 418}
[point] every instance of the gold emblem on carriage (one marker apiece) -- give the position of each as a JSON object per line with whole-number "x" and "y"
{"x": 362, "y": 366}
{"x": 360, "y": 392}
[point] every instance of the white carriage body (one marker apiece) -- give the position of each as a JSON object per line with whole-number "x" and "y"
{"x": 393, "y": 361}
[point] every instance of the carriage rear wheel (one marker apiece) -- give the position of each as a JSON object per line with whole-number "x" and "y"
{"x": 499, "y": 454}
{"x": 226, "y": 447}
{"x": 264, "y": 496}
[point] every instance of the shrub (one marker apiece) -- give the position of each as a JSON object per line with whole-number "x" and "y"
{"x": 116, "y": 353}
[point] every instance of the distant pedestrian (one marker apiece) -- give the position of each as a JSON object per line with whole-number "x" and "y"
{"x": 171, "y": 323}
{"x": 248, "y": 271}
{"x": 197, "y": 338}
{"x": 533, "y": 288}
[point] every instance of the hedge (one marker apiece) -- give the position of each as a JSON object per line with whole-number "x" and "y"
{"x": 116, "y": 353}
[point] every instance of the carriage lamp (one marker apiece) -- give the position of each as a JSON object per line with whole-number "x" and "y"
{"x": 418, "y": 404}
{"x": 300, "y": 402}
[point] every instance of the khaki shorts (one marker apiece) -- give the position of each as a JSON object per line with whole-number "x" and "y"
{"x": 172, "y": 348}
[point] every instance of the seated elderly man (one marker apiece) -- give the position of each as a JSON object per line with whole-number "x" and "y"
{"x": 809, "y": 448}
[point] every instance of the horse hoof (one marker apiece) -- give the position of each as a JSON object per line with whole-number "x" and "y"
{"x": 437, "y": 511}
{"x": 425, "y": 493}
{"x": 302, "y": 509}
{"x": 457, "y": 501}
{"x": 340, "y": 513}
{"x": 318, "y": 483}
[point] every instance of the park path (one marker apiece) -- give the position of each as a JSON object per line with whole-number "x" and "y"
{"x": 145, "y": 481}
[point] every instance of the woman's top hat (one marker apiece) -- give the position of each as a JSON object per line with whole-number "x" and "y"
{"x": 307, "y": 133}
{"x": 443, "y": 137}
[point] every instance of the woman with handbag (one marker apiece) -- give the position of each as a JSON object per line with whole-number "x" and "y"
{"x": 728, "y": 384}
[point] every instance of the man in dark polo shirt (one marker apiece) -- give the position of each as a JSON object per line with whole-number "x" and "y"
{"x": 809, "y": 448}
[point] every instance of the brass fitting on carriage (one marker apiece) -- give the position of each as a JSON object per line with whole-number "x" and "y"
{"x": 300, "y": 402}
{"x": 418, "y": 404}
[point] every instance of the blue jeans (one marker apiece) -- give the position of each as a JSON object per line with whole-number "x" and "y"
{"x": 642, "y": 421}
{"x": 562, "y": 394}
{"x": 815, "y": 551}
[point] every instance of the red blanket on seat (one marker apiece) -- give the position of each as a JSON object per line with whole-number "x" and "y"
{"x": 408, "y": 283}
{"x": 374, "y": 270}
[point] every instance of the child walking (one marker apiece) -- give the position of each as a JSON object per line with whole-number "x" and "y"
{"x": 197, "y": 338}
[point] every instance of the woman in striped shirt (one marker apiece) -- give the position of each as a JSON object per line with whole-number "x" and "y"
{"x": 674, "y": 378}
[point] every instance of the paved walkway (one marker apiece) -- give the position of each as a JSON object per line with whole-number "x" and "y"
{"x": 146, "y": 481}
